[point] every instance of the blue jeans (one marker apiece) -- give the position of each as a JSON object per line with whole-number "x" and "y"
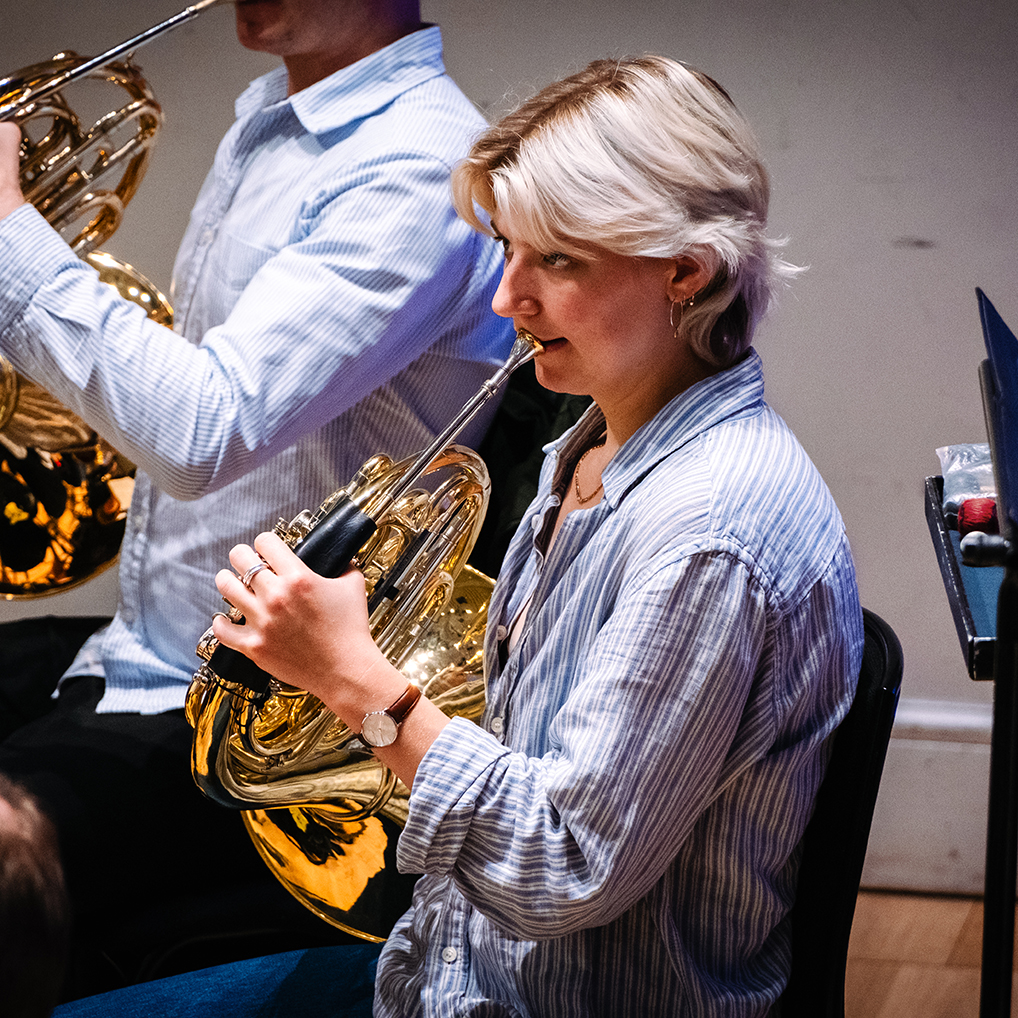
{"x": 321, "y": 982}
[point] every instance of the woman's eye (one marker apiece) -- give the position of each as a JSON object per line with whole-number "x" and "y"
{"x": 556, "y": 259}
{"x": 505, "y": 244}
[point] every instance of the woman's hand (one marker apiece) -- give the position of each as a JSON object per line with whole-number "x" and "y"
{"x": 10, "y": 173}
{"x": 312, "y": 633}
{"x": 306, "y": 630}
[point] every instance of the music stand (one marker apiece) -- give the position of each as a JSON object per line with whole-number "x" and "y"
{"x": 998, "y": 379}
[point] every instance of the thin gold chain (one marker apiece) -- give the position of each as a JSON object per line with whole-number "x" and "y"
{"x": 576, "y": 475}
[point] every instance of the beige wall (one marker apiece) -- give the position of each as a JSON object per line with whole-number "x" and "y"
{"x": 891, "y": 131}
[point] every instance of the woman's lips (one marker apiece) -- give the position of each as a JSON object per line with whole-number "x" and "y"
{"x": 542, "y": 344}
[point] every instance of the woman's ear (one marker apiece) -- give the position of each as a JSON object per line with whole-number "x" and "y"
{"x": 687, "y": 277}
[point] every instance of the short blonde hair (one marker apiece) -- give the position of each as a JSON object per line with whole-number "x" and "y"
{"x": 644, "y": 157}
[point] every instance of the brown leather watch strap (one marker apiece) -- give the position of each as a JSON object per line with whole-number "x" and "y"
{"x": 405, "y": 704}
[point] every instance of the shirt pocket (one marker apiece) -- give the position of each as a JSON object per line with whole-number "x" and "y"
{"x": 232, "y": 263}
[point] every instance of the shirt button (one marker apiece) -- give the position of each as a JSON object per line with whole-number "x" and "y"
{"x": 449, "y": 954}
{"x": 497, "y": 725}
{"x": 501, "y": 633}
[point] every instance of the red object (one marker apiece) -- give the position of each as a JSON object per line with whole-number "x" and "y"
{"x": 978, "y": 514}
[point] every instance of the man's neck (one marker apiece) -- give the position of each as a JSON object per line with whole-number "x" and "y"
{"x": 309, "y": 68}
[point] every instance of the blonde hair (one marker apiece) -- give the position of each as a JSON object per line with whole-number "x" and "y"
{"x": 644, "y": 157}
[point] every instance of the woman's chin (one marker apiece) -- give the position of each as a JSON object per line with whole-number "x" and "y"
{"x": 557, "y": 378}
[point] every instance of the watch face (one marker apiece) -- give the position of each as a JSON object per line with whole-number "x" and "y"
{"x": 379, "y": 729}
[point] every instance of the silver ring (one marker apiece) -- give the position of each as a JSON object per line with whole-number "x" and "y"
{"x": 249, "y": 575}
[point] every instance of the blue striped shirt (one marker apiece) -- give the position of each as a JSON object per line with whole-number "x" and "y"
{"x": 619, "y": 835}
{"x": 329, "y": 305}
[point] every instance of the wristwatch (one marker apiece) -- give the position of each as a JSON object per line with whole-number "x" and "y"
{"x": 380, "y": 727}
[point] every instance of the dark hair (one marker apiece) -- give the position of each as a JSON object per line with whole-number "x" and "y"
{"x": 34, "y": 909}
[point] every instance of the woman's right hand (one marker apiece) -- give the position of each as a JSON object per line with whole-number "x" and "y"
{"x": 307, "y": 630}
{"x": 312, "y": 632}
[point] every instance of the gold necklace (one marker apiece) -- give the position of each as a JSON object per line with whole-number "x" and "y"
{"x": 576, "y": 475}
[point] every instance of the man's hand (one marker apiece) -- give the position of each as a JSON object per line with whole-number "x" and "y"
{"x": 10, "y": 177}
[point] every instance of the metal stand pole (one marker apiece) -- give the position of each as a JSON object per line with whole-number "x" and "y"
{"x": 1002, "y": 819}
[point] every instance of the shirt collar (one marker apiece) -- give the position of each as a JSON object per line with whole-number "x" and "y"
{"x": 353, "y": 92}
{"x": 688, "y": 415}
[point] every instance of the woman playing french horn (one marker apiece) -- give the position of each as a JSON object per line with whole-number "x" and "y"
{"x": 675, "y": 631}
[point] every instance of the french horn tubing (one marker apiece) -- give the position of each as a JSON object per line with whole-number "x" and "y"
{"x": 64, "y": 491}
{"x": 323, "y": 813}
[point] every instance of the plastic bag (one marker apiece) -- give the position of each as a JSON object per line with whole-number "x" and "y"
{"x": 970, "y": 491}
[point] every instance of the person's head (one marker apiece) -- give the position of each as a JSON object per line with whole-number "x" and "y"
{"x": 644, "y": 157}
{"x": 317, "y": 37}
{"x": 34, "y": 910}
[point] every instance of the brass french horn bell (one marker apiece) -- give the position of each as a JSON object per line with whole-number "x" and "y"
{"x": 323, "y": 813}
{"x": 64, "y": 491}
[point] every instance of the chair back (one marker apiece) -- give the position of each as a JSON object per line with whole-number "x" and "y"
{"x": 834, "y": 844}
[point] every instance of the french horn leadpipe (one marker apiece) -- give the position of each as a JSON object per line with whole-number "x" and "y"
{"x": 58, "y": 81}
{"x": 329, "y": 548}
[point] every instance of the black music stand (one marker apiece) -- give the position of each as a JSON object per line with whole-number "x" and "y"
{"x": 998, "y": 378}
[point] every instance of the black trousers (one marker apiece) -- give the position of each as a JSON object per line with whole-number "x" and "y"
{"x": 161, "y": 880}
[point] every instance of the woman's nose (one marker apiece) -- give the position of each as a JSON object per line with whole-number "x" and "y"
{"x": 512, "y": 297}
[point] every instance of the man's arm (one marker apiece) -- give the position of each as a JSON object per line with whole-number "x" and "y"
{"x": 325, "y": 321}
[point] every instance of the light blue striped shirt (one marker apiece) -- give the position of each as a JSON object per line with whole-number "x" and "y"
{"x": 618, "y": 837}
{"x": 333, "y": 305}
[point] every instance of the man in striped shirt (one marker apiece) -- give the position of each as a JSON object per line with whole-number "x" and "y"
{"x": 329, "y": 305}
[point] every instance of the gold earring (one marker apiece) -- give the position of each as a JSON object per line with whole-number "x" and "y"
{"x": 687, "y": 303}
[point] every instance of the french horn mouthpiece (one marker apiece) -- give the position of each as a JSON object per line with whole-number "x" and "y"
{"x": 522, "y": 335}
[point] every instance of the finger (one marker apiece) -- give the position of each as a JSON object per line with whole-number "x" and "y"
{"x": 233, "y": 591}
{"x": 11, "y": 197}
{"x": 279, "y": 555}
{"x": 241, "y": 556}
{"x": 10, "y": 146}
{"x": 227, "y": 632}
{"x": 248, "y": 564}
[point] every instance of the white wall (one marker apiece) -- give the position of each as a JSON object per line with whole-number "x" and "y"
{"x": 891, "y": 133}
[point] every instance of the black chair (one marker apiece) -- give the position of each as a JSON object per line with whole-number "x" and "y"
{"x": 834, "y": 845}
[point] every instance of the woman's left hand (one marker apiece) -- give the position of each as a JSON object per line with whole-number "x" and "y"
{"x": 306, "y": 630}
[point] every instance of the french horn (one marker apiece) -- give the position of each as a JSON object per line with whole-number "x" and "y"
{"x": 322, "y": 812}
{"x": 64, "y": 491}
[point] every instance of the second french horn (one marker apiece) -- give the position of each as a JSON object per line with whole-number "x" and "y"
{"x": 64, "y": 491}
